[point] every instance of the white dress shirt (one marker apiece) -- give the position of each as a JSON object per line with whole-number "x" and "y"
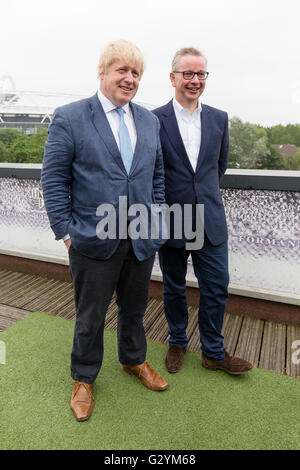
{"x": 114, "y": 119}
{"x": 114, "y": 122}
{"x": 190, "y": 130}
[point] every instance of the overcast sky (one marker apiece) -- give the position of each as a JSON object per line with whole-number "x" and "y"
{"x": 252, "y": 46}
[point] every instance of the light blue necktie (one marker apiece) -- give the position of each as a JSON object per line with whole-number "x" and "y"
{"x": 125, "y": 142}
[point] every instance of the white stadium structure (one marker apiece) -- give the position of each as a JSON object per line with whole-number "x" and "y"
{"x": 29, "y": 110}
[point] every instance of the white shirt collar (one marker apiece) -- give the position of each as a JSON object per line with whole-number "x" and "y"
{"x": 182, "y": 110}
{"x": 108, "y": 105}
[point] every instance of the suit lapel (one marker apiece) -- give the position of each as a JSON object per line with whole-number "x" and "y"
{"x": 140, "y": 132}
{"x": 205, "y": 135}
{"x": 172, "y": 129}
{"x": 102, "y": 126}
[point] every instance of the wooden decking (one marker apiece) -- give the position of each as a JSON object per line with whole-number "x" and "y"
{"x": 267, "y": 345}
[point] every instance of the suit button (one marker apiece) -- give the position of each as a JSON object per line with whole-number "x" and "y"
{"x": 128, "y": 179}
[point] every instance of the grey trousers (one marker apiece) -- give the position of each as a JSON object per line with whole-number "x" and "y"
{"x": 94, "y": 283}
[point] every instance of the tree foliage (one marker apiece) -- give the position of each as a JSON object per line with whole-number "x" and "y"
{"x": 289, "y": 134}
{"x": 295, "y": 163}
{"x": 250, "y": 146}
{"x": 17, "y": 147}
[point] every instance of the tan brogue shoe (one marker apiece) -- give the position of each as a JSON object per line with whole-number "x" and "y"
{"x": 148, "y": 376}
{"x": 231, "y": 364}
{"x": 82, "y": 401}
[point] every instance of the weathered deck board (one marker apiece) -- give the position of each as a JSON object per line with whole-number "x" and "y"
{"x": 8, "y": 276}
{"x": 153, "y": 328}
{"x": 153, "y": 311}
{"x": 4, "y": 273}
{"x": 67, "y": 311}
{"x": 33, "y": 292}
{"x": 16, "y": 295}
{"x": 111, "y": 318}
{"x": 193, "y": 334}
{"x": 158, "y": 331}
{"x": 49, "y": 300}
{"x": 193, "y": 320}
{"x": 10, "y": 315}
{"x": 13, "y": 283}
{"x": 273, "y": 348}
{"x": 249, "y": 343}
{"x": 231, "y": 329}
{"x": 267, "y": 345}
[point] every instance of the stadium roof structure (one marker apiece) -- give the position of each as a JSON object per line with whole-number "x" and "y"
{"x": 39, "y": 106}
{"x": 15, "y": 102}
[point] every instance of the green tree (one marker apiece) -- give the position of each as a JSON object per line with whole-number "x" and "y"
{"x": 3, "y": 152}
{"x": 261, "y": 132}
{"x": 277, "y": 134}
{"x": 40, "y": 137}
{"x": 272, "y": 159}
{"x": 280, "y": 134}
{"x": 37, "y": 145}
{"x": 17, "y": 147}
{"x": 241, "y": 138}
{"x": 19, "y": 150}
{"x": 8, "y": 136}
{"x": 248, "y": 144}
{"x": 295, "y": 163}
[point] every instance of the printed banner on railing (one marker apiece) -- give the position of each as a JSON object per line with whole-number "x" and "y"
{"x": 263, "y": 227}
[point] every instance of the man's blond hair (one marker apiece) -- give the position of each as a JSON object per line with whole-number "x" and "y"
{"x": 119, "y": 50}
{"x": 183, "y": 52}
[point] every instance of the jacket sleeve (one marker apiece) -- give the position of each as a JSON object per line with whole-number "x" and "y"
{"x": 224, "y": 152}
{"x": 159, "y": 176}
{"x": 56, "y": 173}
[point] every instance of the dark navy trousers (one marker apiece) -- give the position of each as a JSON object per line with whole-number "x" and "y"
{"x": 211, "y": 270}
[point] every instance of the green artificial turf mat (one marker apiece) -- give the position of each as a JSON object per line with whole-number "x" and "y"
{"x": 200, "y": 410}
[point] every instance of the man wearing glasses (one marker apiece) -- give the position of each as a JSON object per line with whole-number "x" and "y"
{"x": 195, "y": 144}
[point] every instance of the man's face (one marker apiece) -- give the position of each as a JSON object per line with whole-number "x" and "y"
{"x": 187, "y": 92}
{"x": 120, "y": 82}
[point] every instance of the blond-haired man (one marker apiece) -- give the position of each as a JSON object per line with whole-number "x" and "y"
{"x": 100, "y": 151}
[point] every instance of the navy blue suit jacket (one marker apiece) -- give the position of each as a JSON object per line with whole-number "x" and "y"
{"x": 184, "y": 185}
{"x": 83, "y": 168}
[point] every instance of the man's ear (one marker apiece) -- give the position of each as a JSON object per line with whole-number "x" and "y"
{"x": 172, "y": 78}
{"x": 100, "y": 74}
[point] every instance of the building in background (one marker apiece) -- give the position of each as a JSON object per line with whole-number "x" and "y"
{"x": 27, "y": 111}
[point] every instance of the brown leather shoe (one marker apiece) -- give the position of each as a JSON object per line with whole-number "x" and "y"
{"x": 148, "y": 376}
{"x": 231, "y": 365}
{"x": 82, "y": 401}
{"x": 174, "y": 358}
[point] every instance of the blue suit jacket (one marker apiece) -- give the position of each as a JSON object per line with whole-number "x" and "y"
{"x": 83, "y": 168}
{"x": 184, "y": 185}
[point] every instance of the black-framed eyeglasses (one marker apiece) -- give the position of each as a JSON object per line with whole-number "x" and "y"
{"x": 188, "y": 75}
